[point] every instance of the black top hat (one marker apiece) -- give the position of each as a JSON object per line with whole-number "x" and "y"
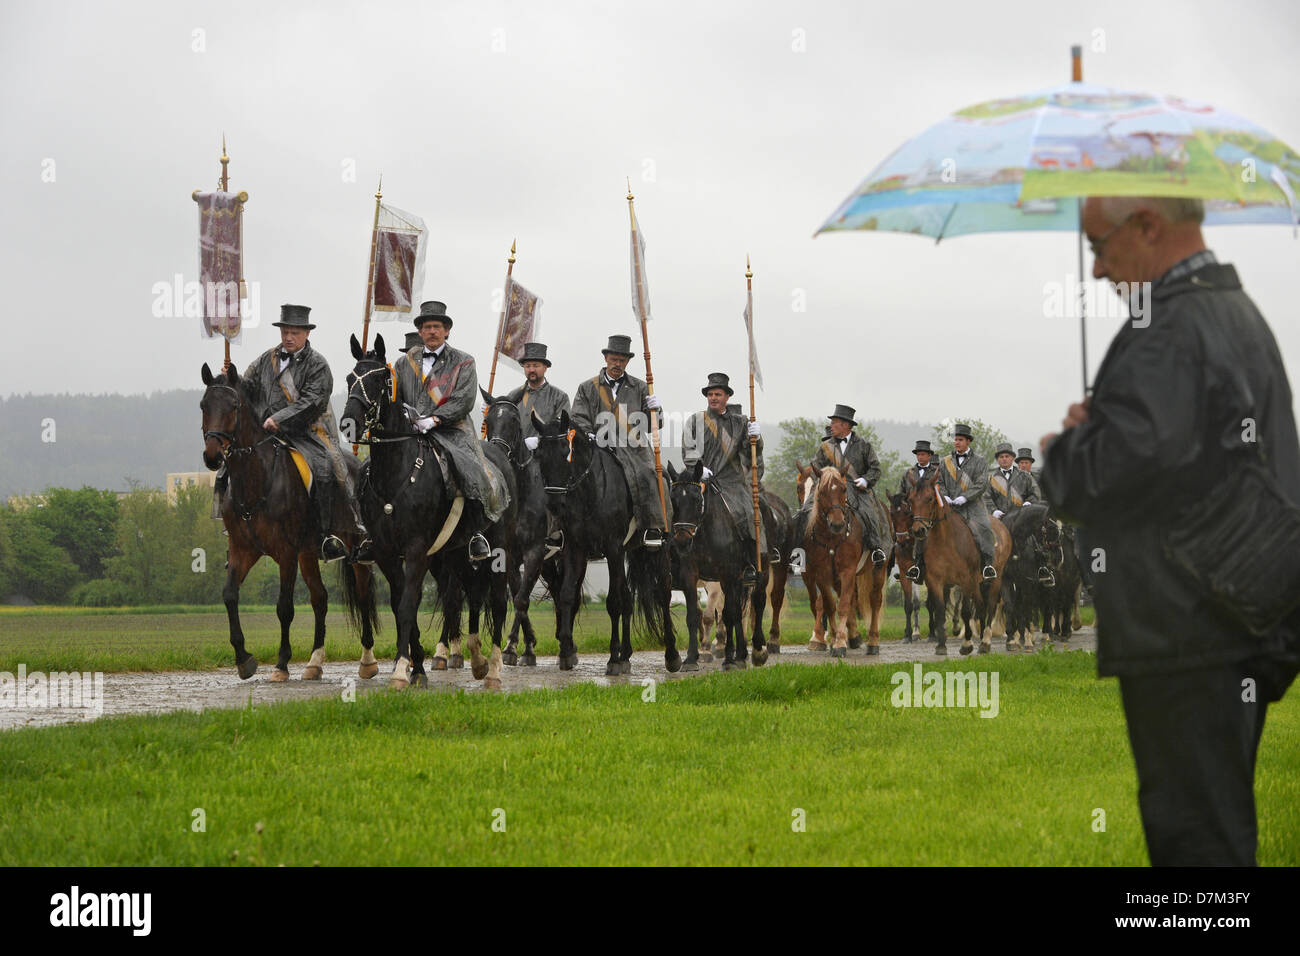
{"x": 294, "y": 317}
{"x": 619, "y": 345}
{"x": 1004, "y": 447}
{"x": 412, "y": 340}
{"x": 535, "y": 352}
{"x": 433, "y": 310}
{"x": 846, "y": 413}
{"x": 963, "y": 430}
{"x": 922, "y": 445}
{"x": 1024, "y": 453}
{"x": 718, "y": 380}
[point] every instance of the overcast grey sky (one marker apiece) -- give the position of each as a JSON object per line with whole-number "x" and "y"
{"x": 501, "y": 120}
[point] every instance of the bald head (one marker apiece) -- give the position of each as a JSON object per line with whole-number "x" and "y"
{"x": 1136, "y": 239}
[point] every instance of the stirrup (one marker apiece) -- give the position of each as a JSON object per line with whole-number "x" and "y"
{"x": 653, "y": 538}
{"x": 878, "y": 561}
{"x": 749, "y": 577}
{"x": 479, "y": 548}
{"x": 554, "y": 544}
{"x": 914, "y": 573}
{"x": 990, "y": 572}
{"x": 332, "y": 548}
{"x": 364, "y": 553}
{"x": 774, "y": 556}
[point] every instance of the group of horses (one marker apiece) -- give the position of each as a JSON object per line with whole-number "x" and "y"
{"x": 420, "y": 523}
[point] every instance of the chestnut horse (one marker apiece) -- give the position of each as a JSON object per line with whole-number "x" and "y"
{"x": 952, "y": 559}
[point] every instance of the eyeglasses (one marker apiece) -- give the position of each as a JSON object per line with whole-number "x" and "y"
{"x": 1098, "y": 246}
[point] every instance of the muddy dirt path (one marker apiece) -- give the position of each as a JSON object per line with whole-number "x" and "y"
{"x": 164, "y": 691}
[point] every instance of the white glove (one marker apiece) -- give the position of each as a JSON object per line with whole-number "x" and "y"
{"x": 947, "y": 499}
{"x": 753, "y": 430}
{"x": 997, "y": 513}
{"x": 861, "y": 483}
{"x": 707, "y": 473}
{"x": 424, "y": 424}
{"x": 959, "y": 500}
{"x": 1025, "y": 504}
{"x": 652, "y": 402}
{"x": 531, "y": 442}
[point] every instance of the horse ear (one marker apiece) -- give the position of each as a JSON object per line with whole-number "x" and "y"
{"x": 537, "y": 422}
{"x": 232, "y": 374}
{"x": 487, "y": 396}
{"x": 564, "y": 421}
{"x": 380, "y": 348}
{"x": 207, "y": 374}
{"x": 673, "y": 474}
{"x": 357, "y": 352}
{"x": 697, "y": 473}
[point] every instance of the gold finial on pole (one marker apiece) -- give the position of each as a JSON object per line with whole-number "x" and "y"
{"x": 379, "y": 193}
{"x": 225, "y": 162}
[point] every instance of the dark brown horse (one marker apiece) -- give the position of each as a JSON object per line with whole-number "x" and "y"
{"x": 266, "y": 511}
{"x": 900, "y": 517}
{"x": 832, "y": 547}
{"x": 952, "y": 559}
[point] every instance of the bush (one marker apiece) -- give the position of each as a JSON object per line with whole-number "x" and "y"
{"x": 102, "y": 593}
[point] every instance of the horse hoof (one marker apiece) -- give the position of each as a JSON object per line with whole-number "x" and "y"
{"x": 760, "y": 657}
{"x": 729, "y": 665}
{"x": 908, "y": 639}
{"x": 627, "y": 666}
{"x": 985, "y": 647}
{"x": 492, "y": 683}
{"x": 741, "y": 663}
{"x": 279, "y": 676}
{"x": 816, "y": 646}
{"x": 248, "y": 668}
{"x": 420, "y": 680}
{"x": 966, "y": 649}
{"x": 839, "y": 652}
{"x": 613, "y": 668}
{"x": 509, "y": 658}
{"x": 529, "y": 659}
{"x": 398, "y": 683}
{"x": 568, "y": 663}
{"x": 774, "y": 647}
{"x": 873, "y": 650}
{"x": 673, "y": 663}
{"x": 368, "y": 671}
{"x": 456, "y": 662}
{"x": 855, "y": 642}
{"x": 706, "y": 657}
{"x": 941, "y": 649}
{"x": 440, "y": 663}
{"x": 691, "y": 664}
{"x": 479, "y": 669}
{"x": 312, "y": 673}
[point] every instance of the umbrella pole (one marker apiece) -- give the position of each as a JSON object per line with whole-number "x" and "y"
{"x": 1083, "y": 307}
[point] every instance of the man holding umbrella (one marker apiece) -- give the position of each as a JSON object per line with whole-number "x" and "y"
{"x": 1182, "y": 401}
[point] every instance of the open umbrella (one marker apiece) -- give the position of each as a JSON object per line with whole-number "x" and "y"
{"x": 1024, "y": 163}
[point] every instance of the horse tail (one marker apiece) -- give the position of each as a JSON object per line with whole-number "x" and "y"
{"x": 359, "y": 609}
{"x": 647, "y": 576}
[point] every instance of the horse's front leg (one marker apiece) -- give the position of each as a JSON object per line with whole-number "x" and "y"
{"x": 408, "y": 628}
{"x": 759, "y": 607}
{"x": 284, "y": 611}
{"x": 822, "y": 599}
{"x": 780, "y": 577}
{"x": 619, "y": 595}
{"x": 845, "y": 608}
{"x": 238, "y": 566}
{"x": 689, "y": 580}
{"x": 310, "y": 568}
{"x": 364, "y": 576}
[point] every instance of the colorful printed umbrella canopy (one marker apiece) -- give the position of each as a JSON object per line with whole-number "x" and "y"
{"x": 1019, "y": 164}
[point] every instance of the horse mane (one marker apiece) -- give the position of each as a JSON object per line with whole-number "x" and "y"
{"x": 827, "y": 476}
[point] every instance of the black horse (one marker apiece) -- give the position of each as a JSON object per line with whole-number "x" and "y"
{"x": 505, "y": 430}
{"x": 1025, "y": 574}
{"x": 266, "y": 511}
{"x": 1058, "y": 600}
{"x": 589, "y": 497}
{"x": 419, "y": 524}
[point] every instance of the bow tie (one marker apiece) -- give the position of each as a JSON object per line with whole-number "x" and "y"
{"x": 431, "y": 355}
{"x": 282, "y": 355}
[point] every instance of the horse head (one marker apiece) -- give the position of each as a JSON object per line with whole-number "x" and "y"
{"x": 925, "y": 502}
{"x": 900, "y": 515}
{"x": 372, "y": 388}
{"x": 222, "y": 405}
{"x": 830, "y": 497}
{"x": 804, "y": 480}
{"x": 687, "y": 490}
{"x": 501, "y": 420}
{"x": 561, "y": 452}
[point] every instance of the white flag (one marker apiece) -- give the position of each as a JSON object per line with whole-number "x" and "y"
{"x": 640, "y": 286}
{"x": 753, "y": 350}
{"x": 401, "y": 241}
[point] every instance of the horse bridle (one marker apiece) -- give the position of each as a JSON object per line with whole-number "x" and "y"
{"x": 510, "y": 452}
{"x": 565, "y": 489}
{"x": 927, "y": 524}
{"x": 687, "y": 526}
{"x": 230, "y": 448}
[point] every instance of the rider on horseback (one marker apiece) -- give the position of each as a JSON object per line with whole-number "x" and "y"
{"x": 614, "y": 408}
{"x": 540, "y": 396}
{"x": 719, "y": 438}
{"x": 1009, "y": 488}
{"x": 439, "y": 385}
{"x": 963, "y": 479}
{"x": 290, "y": 388}
{"x": 911, "y": 478}
{"x": 851, "y": 453}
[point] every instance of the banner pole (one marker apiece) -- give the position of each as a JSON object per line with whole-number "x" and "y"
{"x": 501, "y": 328}
{"x": 370, "y": 279}
{"x": 645, "y": 347}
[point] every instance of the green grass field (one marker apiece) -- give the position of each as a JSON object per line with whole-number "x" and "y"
{"x": 178, "y": 638}
{"x": 714, "y": 770}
